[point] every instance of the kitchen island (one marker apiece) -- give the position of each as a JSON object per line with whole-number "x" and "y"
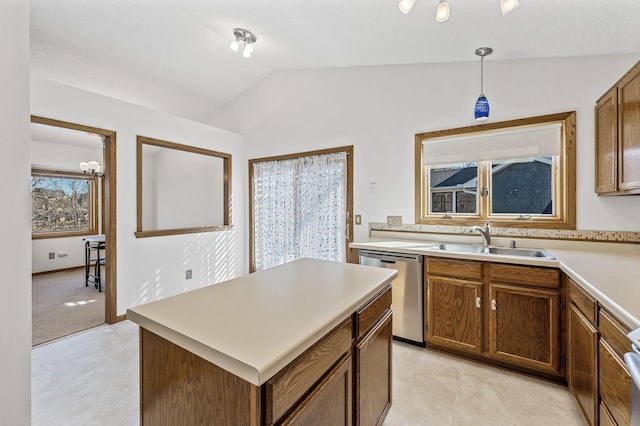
{"x": 308, "y": 338}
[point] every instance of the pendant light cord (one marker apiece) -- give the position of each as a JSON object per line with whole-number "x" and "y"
{"x": 482, "y": 75}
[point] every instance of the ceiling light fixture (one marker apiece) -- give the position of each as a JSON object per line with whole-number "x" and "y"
{"x": 406, "y": 5}
{"x": 481, "y": 110}
{"x": 442, "y": 10}
{"x": 245, "y": 39}
{"x": 507, "y": 6}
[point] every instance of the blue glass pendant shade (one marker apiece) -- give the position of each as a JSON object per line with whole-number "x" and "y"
{"x": 481, "y": 109}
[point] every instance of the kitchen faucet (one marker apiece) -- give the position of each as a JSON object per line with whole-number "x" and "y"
{"x": 485, "y": 231}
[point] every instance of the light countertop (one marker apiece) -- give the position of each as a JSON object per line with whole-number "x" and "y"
{"x": 253, "y": 326}
{"x": 609, "y": 272}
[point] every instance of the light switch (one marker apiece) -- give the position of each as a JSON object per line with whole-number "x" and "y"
{"x": 372, "y": 187}
{"x": 358, "y": 219}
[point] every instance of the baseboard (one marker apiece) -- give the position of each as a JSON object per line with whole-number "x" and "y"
{"x": 73, "y": 268}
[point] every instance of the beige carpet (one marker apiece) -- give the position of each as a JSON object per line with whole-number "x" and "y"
{"x": 62, "y": 305}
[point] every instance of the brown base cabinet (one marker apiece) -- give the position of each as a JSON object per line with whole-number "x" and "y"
{"x": 582, "y": 363}
{"x": 596, "y": 372}
{"x": 505, "y": 314}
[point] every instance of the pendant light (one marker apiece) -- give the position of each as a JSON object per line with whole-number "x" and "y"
{"x": 481, "y": 110}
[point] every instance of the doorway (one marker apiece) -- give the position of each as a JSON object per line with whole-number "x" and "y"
{"x": 300, "y": 205}
{"x": 91, "y": 212}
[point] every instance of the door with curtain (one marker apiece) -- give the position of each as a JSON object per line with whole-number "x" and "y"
{"x": 301, "y": 206}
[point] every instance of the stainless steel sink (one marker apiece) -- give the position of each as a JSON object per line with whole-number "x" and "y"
{"x": 500, "y": 251}
{"x": 524, "y": 252}
{"x": 459, "y": 248}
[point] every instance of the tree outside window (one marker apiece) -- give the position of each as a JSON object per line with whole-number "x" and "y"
{"x": 63, "y": 204}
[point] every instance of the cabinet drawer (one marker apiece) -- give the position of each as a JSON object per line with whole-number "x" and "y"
{"x": 526, "y": 275}
{"x": 613, "y": 332}
{"x": 285, "y": 388}
{"x": 454, "y": 268}
{"x": 330, "y": 401}
{"x": 371, "y": 312}
{"x": 615, "y": 385}
{"x": 585, "y": 303}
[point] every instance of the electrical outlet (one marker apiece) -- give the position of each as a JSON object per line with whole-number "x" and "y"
{"x": 187, "y": 274}
{"x": 358, "y": 219}
{"x": 394, "y": 220}
{"x": 52, "y": 255}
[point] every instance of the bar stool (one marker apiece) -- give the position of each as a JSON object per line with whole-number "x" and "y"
{"x": 94, "y": 252}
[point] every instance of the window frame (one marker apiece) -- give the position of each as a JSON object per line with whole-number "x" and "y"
{"x": 563, "y": 178}
{"x": 93, "y": 204}
{"x": 141, "y": 232}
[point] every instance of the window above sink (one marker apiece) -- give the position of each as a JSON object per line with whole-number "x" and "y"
{"x": 518, "y": 173}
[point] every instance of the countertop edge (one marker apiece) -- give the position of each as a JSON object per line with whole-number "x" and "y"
{"x": 602, "y": 298}
{"x": 205, "y": 352}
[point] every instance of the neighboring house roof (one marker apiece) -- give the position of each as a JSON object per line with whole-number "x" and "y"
{"x": 459, "y": 178}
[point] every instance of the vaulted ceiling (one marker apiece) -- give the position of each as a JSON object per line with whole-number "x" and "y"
{"x": 174, "y": 55}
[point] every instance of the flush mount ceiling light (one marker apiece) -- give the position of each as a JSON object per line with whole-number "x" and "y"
{"x": 245, "y": 39}
{"x": 481, "y": 110}
{"x": 442, "y": 10}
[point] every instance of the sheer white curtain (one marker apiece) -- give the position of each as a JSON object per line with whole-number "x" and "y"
{"x": 299, "y": 209}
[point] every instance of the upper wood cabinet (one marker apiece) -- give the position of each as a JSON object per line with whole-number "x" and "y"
{"x": 617, "y": 137}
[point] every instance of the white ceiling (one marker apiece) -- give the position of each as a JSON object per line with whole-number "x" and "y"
{"x": 174, "y": 55}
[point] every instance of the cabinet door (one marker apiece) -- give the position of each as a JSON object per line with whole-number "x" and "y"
{"x": 524, "y": 326}
{"x": 373, "y": 374}
{"x": 330, "y": 401}
{"x": 606, "y": 133}
{"x": 454, "y": 317}
{"x": 582, "y": 355}
{"x": 615, "y": 384}
{"x": 629, "y": 130}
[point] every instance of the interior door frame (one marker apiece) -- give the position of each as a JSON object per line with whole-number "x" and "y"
{"x": 108, "y": 209}
{"x": 350, "y": 258}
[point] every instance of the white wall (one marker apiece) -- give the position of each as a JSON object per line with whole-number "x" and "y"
{"x": 378, "y": 109}
{"x": 153, "y": 268}
{"x": 15, "y": 227}
{"x": 60, "y": 157}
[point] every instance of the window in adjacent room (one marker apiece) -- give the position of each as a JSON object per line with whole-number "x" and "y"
{"x": 516, "y": 173}
{"x": 63, "y": 204}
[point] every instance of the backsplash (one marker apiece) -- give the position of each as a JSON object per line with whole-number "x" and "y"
{"x": 555, "y": 234}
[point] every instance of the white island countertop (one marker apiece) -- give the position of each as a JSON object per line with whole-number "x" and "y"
{"x": 610, "y": 272}
{"x": 253, "y": 326}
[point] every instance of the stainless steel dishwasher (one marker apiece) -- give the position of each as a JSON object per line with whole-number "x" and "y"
{"x": 407, "y": 302}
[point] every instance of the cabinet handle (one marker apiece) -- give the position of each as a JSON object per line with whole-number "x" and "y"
{"x": 493, "y": 304}
{"x": 477, "y": 302}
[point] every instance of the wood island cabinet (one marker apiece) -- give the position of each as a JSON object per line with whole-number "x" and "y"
{"x": 617, "y": 137}
{"x": 339, "y": 374}
{"x": 504, "y": 314}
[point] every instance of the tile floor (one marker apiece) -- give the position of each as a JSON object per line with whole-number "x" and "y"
{"x": 92, "y": 379}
